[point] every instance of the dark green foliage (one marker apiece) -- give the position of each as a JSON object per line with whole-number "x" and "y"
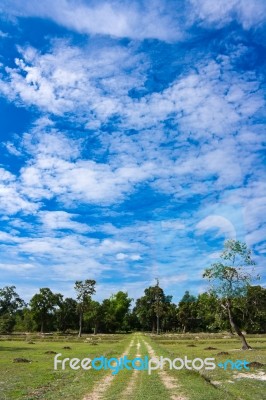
{"x": 152, "y": 305}
{"x": 187, "y": 312}
{"x": 66, "y": 315}
{"x": 7, "y": 323}
{"x": 10, "y": 303}
{"x": 43, "y": 304}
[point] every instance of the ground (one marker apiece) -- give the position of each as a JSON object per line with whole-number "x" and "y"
{"x": 37, "y": 379}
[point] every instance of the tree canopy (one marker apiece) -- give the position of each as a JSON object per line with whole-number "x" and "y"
{"x": 231, "y": 277}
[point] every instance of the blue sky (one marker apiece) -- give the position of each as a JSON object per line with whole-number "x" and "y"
{"x": 132, "y": 141}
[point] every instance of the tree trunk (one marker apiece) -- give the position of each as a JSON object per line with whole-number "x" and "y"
{"x": 80, "y": 324}
{"x": 245, "y": 345}
{"x": 42, "y": 326}
{"x": 158, "y": 324}
{"x": 95, "y": 328}
{"x": 153, "y": 326}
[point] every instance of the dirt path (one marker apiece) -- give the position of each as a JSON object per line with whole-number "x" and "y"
{"x": 168, "y": 381}
{"x": 132, "y": 382}
{"x": 103, "y": 385}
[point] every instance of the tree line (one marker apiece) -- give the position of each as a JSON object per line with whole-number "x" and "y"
{"x": 231, "y": 303}
{"x": 48, "y": 311}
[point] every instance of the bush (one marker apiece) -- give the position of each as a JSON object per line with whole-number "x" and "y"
{"x": 7, "y": 323}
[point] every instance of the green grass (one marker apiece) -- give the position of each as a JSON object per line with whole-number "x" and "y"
{"x": 216, "y": 383}
{"x": 145, "y": 386}
{"x": 39, "y": 380}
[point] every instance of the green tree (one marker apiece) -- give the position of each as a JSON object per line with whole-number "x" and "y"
{"x": 94, "y": 315}
{"x": 25, "y": 321}
{"x": 10, "y": 302}
{"x": 43, "y": 304}
{"x": 66, "y": 314}
{"x": 115, "y": 312}
{"x": 229, "y": 279}
{"x": 252, "y": 309}
{"x": 152, "y": 307}
{"x": 119, "y": 305}
{"x": 169, "y": 322}
{"x": 256, "y": 309}
{"x": 108, "y": 323}
{"x": 208, "y": 312}
{"x": 84, "y": 292}
{"x": 187, "y": 312}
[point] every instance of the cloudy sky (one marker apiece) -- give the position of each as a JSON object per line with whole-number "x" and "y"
{"x": 132, "y": 141}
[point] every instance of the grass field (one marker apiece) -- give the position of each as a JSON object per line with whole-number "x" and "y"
{"x": 38, "y": 379}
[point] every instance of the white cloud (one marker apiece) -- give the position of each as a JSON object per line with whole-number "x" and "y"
{"x": 74, "y": 80}
{"x": 3, "y": 35}
{"x": 199, "y": 102}
{"x": 220, "y": 13}
{"x": 57, "y": 220}
{"x": 44, "y": 142}
{"x": 16, "y": 268}
{"x": 11, "y": 199}
{"x": 252, "y": 198}
{"x": 224, "y": 226}
{"x": 123, "y": 256}
{"x": 117, "y": 19}
{"x": 215, "y": 255}
{"x": 82, "y": 181}
{"x": 174, "y": 224}
{"x": 257, "y": 236}
{"x": 158, "y": 19}
{"x": 7, "y": 237}
{"x": 135, "y": 257}
{"x": 168, "y": 281}
{"x": 214, "y": 101}
{"x": 51, "y": 255}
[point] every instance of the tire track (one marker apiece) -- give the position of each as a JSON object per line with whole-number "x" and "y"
{"x": 103, "y": 385}
{"x": 127, "y": 393}
{"x": 168, "y": 381}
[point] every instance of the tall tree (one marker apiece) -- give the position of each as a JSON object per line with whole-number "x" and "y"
{"x": 10, "y": 302}
{"x": 252, "y": 309}
{"x": 94, "y": 315}
{"x": 151, "y": 307}
{"x": 115, "y": 312}
{"x": 229, "y": 279}
{"x": 120, "y": 303}
{"x": 187, "y": 311}
{"x": 159, "y": 305}
{"x": 43, "y": 303}
{"x": 84, "y": 292}
{"x": 208, "y": 312}
{"x": 67, "y": 317}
